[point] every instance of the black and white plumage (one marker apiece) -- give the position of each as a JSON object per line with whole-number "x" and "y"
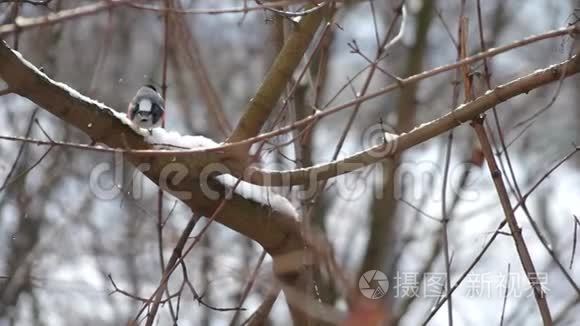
{"x": 146, "y": 109}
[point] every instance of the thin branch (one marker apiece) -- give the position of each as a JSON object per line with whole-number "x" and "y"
{"x": 248, "y": 287}
{"x": 259, "y": 317}
{"x": 531, "y": 119}
{"x": 21, "y": 149}
{"x": 156, "y": 298}
{"x": 271, "y": 6}
{"x": 465, "y": 273}
{"x": 116, "y": 289}
{"x": 22, "y": 23}
{"x": 574, "y": 241}
{"x": 43, "y": 131}
{"x": 461, "y": 71}
{"x": 31, "y": 2}
{"x": 446, "y": 28}
{"x": 198, "y": 297}
{"x": 192, "y": 53}
{"x": 290, "y": 13}
{"x": 505, "y": 295}
{"x": 543, "y": 241}
{"x": 403, "y": 14}
{"x": 521, "y": 247}
{"x": 25, "y": 172}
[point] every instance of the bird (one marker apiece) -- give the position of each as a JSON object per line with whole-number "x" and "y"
{"x": 146, "y": 109}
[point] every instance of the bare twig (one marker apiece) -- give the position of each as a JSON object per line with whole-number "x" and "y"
{"x": 116, "y": 289}
{"x": 465, "y": 273}
{"x": 192, "y": 53}
{"x": 574, "y": 242}
{"x": 156, "y": 298}
{"x": 58, "y": 17}
{"x": 25, "y": 172}
{"x": 248, "y": 287}
{"x": 198, "y": 297}
{"x": 461, "y": 71}
{"x": 233, "y": 10}
{"x": 31, "y": 2}
{"x": 20, "y": 150}
{"x": 520, "y": 244}
{"x": 290, "y": 13}
{"x": 505, "y": 295}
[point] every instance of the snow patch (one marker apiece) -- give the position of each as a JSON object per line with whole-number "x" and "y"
{"x": 164, "y": 139}
{"x": 259, "y": 194}
{"x": 122, "y": 116}
{"x": 74, "y": 93}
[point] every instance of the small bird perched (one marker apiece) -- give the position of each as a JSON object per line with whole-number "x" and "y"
{"x": 146, "y": 109}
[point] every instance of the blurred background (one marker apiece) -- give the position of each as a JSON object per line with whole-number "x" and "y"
{"x": 62, "y": 240}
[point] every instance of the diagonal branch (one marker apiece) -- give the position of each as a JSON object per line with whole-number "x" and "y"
{"x": 57, "y": 17}
{"x": 424, "y": 132}
{"x": 516, "y": 231}
{"x": 31, "y": 2}
{"x": 262, "y": 104}
{"x": 192, "y": 54}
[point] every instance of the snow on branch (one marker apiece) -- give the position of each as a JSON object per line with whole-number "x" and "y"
{"x": 163, "y": 139}
{"x": 114, "y": 129}
{"x": 24, "y": 23}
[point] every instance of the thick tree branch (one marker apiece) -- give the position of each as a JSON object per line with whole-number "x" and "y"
{"x": 100, "y": 123}
{"x": 277, "y": 233}
{"x": 264, "y": 102}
